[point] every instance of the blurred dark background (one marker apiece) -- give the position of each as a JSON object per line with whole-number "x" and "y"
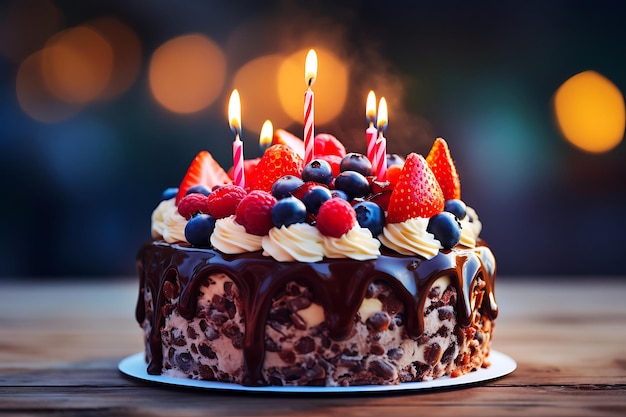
{"x": 96, "y": 117}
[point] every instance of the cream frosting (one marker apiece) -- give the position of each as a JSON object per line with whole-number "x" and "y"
{"x": 358, "y": 243}
{"x": 231, "y": 237}
{"x": 299, "y": 242}
{"x": 470, "y": 228}
{"x": 167, "y": 223}
{"x": 410, "y": 238}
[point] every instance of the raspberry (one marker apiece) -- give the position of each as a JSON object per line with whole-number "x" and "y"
{"x": 223, "y": 201}
{"x": 254, "y": 212}
{"x": 335, "y": 217}
{"x": 192, "y": 204}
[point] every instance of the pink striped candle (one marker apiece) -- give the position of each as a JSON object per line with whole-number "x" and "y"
{"x": 310, "y": 73}
{"x": 380, "y": 148}
{"x": 234, "y": 121}
{"x": 371, "y": 133}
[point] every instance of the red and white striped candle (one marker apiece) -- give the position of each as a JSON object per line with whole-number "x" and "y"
{"x": 310, "y": 73}
{"x": 380, "y": 147}
{"x": 234, "y": 121}
{"x": 371, "y": 133}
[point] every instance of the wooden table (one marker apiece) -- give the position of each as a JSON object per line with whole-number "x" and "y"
{"x": 60, "y": 344}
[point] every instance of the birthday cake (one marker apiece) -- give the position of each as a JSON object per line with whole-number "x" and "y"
{"x": 317, "y": 273}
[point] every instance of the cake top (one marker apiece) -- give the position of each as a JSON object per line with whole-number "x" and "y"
{"x": 338, "y": 205}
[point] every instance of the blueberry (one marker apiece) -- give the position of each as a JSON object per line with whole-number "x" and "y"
{"x": 356, "y": 162}
{"x": 198, "y": 189}
{"x": 199, "y": 229}
{"x": 285, "y": 185}
{"x": 169, "y": 193}
{"x": 315, "y": 197}
{"x": 456, "y": 207}
{"x": 370, "y": 216}
{"x": 288, "y": 210}
{"x": 446, "y": 228}
{"x": 319, "y": 171}
{"x": 353, "y": 184}
{"x": 340, "y": 194}
{"x": 394, "y": 159}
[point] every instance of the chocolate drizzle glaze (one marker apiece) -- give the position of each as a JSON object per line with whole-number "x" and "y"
{"x": 338, "y": 285}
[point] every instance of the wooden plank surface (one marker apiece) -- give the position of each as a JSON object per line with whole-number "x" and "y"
{"x": 60, "y": 344}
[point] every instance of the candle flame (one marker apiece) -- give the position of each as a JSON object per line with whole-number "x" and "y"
{"x": 382, "y": 114}
{"x": 310, "y": 67}
{"x": 370, "y": 106}
{"x": 234, "y": 112}
{"x": 267, "y": 132}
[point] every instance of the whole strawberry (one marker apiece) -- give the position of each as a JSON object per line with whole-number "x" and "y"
{"x": 441, "y": 163}
{"x": 335, "y": 217}
{"x": 276, "y": 162}
{"x": 223, "y": 201}
{"x": 417, "y": 192}
{"x": 254, "y": 212}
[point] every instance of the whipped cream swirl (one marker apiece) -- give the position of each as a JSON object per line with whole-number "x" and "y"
{"x": 410, "y": 238}
{"x": 167, "y": 223}
{"x": 470, "y": 228}
{"x": 357, "y": 244}
{"x": 230, "y": 237}
{"x": 299, "y": 242}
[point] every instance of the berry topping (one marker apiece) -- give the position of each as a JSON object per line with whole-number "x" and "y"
{"x": 192, "y": 204}
{"x": 169, "y": 193}
{"x": 284, "y": 186}
{"x": 327, "y": 144}
{"x": 276, "y": 162}
{"x": 198, "y": 229}
{"x": 456, "y": 207}
{"x": 333, "y": 160}
{"x": 200, "y": 189}
{"x": 370, "y": 216}
{"x": 335, "y": 217}
{"x": 446, "y": 229}
{"x": 282, "y": 137}
{"x": 288, "y": 211}
{"x": 393, "y": 172}
{"x": 204, "y": 170}
{"x": 353, "y": 184}
{"x": 356, "y": 162}
{"x": 394, "y": 159}
{"x": 254, "y": 212}
{"x": 314, "y": 197}
{"x": 416, "y": 194}
{"x": 223, "y": 201}
{"x": 442, "y": 165}
{"x": 339, "y": 194}
{"x": 319, "y": 171}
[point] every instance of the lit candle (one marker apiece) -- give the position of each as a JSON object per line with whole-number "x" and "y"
{"x": 371, "y": 133}
{"x": 310, "y": 73}
{"x": 380, "y": 165}
{"x": 265, "y": 139}
{"x": 234, "y": 121}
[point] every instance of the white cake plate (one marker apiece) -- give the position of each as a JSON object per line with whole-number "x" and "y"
{"x": 501, "y": 365}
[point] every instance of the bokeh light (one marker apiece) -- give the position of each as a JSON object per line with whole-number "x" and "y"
{"x": 257, "y": 81}
{"x": 330, "y": 88}
{"x": 126, "y": 48}
{"x": 34, "y": 97}
{"x": 590, "y": 112}
{"x": 187, "y": 73}
{"x": 77, "y": 64}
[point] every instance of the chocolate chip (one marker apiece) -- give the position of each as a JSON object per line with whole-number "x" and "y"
{"x": 447, "y": 355}
{"x": 170, "y": 290}
{"x": 171, "y": 352}
{"x": 177, "y": 338}
{"x": 231, "y": 330}
{"x": 287, "y": 356}
{"x": 443, "y": 331}
{"x": 191, "y": 333}
{"x": 299, "y": 303}
{"x": 395, "y": 353}
{"x": 184, "y": 361}
{"x": 218, "y": 318}
{"x": 205, "y": 350}
{"x": 280, "y": 315}
{"x": 434, "y": 292}
{"x": 446, "y": 313}
{"x": 305, "y": 345}
{"x": 382, "y": 369}
{"x": 211, "y": 333}
{"x": 271, "y": 345}
{"x": 392, "y": 304}
{"x": 293, "y": 373}
{"x": 228, "y": 288}
{"x": 378, "y": 321}
{"x": 298, "y": 321}
{"x": 316, "y": 372}
{"x": 206, "y": 372}
{"x": 376, "y": 349}
{"x": 432, "y": 354}
{"x": 237, "y": 341}
{"x": 194, "y": 348}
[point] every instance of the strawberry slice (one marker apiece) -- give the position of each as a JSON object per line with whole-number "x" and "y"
{"x": 282, "y": 137}
{"x": 276, "y": 162}
{"x": 416, "y": 194}
{"x": 204, "y": 170}
{"x": 442, "y": 165}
